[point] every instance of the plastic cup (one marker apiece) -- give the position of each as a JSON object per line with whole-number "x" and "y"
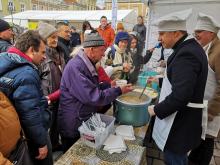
{"x": 121, "y": 82}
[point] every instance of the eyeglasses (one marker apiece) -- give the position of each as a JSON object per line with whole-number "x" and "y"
{"x": 197, "y": 32}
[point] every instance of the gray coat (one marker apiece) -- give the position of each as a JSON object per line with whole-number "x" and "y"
{"x": 141, "y": 30}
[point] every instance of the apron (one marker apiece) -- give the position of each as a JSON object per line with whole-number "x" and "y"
{"x": 162, "y": 127}
{"x": 211, "y": 84}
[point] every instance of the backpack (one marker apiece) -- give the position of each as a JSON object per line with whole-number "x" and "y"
{"x": 111, "y": 53}
{"x": 13, "y": 144}
{"x": 9, "y": 125}
{"x": 111, "y": 56}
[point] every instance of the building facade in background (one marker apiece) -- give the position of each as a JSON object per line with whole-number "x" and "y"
{"x": 140, "y": 6}
{"x": 81, "y": 4}
{"x": 8, "y": 7}
{"x": 48, "y": 5}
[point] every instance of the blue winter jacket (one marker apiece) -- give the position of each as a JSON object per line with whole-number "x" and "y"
{"x": 20, "y": 81}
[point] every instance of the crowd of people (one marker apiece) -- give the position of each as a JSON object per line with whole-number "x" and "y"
{"x": 56, "y": 78}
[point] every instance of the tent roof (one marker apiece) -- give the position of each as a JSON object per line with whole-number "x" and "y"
{"x": 79, "y": 15}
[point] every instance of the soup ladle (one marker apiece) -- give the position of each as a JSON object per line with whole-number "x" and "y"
{"x": 143, "y": 91}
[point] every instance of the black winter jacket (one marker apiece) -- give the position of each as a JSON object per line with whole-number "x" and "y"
{"x": 65, "y": 47}
{"x": 187, "y": 71}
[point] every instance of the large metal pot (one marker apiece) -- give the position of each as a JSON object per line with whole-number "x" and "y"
{"x": 135, "y": 114}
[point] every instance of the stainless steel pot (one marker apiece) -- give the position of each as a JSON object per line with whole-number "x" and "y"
{"x": 135, "y": 114}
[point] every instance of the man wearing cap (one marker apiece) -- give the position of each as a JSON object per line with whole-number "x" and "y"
{"x": 178, "y": 124}
{"x": 206, "y": 34}
{"x": 81, "y": 94}
{"x": 6, "y": 34}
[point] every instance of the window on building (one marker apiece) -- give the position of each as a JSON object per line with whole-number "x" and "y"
{"x": 0, "y": 5}
{"x": 11, "y": 6}
{"x": 136, "y": 9}
{"x": 22, "y": 7}
{"x": 34, "y": 7}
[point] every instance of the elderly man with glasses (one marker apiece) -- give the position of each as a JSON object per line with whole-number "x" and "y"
{"x": 206, "y": 34}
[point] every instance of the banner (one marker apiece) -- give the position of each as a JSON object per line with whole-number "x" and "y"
{"x": 32, "y": 25}
{"x": 114, "y": 13}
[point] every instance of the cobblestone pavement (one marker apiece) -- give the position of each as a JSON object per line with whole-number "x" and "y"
{"x": 155, "y": 156}
{"x": 216, "y": 155}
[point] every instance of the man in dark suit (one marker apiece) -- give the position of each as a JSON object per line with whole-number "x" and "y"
{"x": 178, "y": 124}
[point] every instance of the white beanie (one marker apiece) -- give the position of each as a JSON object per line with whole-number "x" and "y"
{"x": 45, "y": 30}
{"x": 208, "y": 23}
{"x": 174, "y": 21}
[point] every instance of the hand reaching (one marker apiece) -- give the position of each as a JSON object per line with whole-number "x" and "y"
{"x": 42, "y": 152}
{"x": 126, "y": 88}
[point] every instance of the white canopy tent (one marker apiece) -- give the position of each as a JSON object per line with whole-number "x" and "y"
{"x": 127, "y": 17}
{"x": 158, "y": 8}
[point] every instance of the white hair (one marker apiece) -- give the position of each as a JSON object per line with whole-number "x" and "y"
{"x": 76, "y": 51}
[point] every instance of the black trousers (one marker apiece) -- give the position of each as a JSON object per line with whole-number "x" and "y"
{"x": 54, "y": 134}
{"x": 202, "y": 155}
{"x": 33, "y": 149}
{"x": 68, "y": 142}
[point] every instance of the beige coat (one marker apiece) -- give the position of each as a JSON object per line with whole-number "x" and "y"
{"x": 119, "y": 58}
{"x": 214, "y": 62}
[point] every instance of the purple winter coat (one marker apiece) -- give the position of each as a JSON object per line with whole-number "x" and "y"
{"x": 80, "y": 95}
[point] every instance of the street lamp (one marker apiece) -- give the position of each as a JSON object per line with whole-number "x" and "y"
{"x": 10, "y": 9}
